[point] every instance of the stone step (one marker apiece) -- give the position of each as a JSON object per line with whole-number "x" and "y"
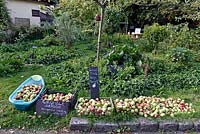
{"x": 141, "y": 125}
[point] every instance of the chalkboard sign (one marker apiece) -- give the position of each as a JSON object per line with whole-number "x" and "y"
{"x": 94, "y": 82}
{"x": 52, "y": 107}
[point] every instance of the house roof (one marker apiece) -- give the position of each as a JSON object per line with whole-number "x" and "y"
{"x": 48, "y": 2}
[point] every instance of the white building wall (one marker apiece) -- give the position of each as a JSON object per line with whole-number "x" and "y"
{"x": 23, "y": 9}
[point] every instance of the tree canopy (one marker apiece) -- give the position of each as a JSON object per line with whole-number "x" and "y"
{"x": 4, "y": 16}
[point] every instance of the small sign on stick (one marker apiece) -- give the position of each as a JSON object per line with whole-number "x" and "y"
{"x": 94, "y": 82}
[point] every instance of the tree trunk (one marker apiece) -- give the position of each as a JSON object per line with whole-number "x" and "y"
{"x": 100, "y": 33}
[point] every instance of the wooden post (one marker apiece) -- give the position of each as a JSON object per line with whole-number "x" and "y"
{"x": 100, "y": 34}
{"x": 103, "y": 7}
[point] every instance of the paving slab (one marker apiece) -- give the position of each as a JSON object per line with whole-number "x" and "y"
{"x": 80, "y": 124}
{"x": 148, "y": 125}
{"x": 169, "y": 126}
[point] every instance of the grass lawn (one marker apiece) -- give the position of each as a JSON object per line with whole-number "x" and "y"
{"x": 12, "y": 118}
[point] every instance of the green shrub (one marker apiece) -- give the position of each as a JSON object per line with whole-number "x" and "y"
{"x": 66, "y": 29}
{"x": 117, "y": 38}
{"x": 124, "y": 54}
{"x": 51, "y": 55}
{"x": 20, "y": 46}
{"x": 3, "y": 36}
{"x": 74, "y": 74}
{"x": 10, "y": 64}
{"x": 4, "y": 20}
{"x": 68, "y": 76}
{"x": 7, "y": 48}
{"x": 113, "y": 17}
{"x": 176, "y": 81}
{"x": 155, "y": 34}
{"x": 163, "y": 38}
{"x": 51, "y": 40}
{"x": 182, "y": 55}
{"x": 28, "y": 34}
{"x": 197, "y": 56}
{"x": 185, "y": 37}
{"x": 143, "y": 45}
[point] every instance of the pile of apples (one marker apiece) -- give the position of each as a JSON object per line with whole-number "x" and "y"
{"x": 94, "y": 106}
{"x": 58, "y": 97}
{"x": 28, "y": 92}
{"x": 153, "y": 106}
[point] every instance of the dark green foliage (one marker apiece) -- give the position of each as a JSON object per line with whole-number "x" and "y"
{"x": 49, "y": 40}
{"x": 4, "y": 16}
{"x": 176, "y": 81}
{"x": 181, "y": 55}
{"x": 68, "y": 76}
{"x": 28, "y": 34}
{"x": 162, "y": 39}
{"x": 124, "y": 54}
{"x": 51, "y": 55}
{"x": 22, "y": 46}
{"x": 185, "y": 37}
{"x": 74, "y": 74}
{"x": 4, "y": 20}
{"x": 155, "y": 34}
{"x": 2, "y": 35}
{"x": 113, "y": 17}
{"x": 10, "y": 64}
{"x": 7, "y": 48}
{"x": 117, "y": 38}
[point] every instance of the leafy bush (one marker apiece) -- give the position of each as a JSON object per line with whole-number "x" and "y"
{"x": 121, "y": 38}
{"x": 74, "y": 74}
{"x": 20, "y": 46}
{"x": 143, "y": 45}
{"x": 182, "y": 36}
{"x": 175, "y": 81}
{"x": 69, "y": 76}
{"x": 4, "y": 21}
{"x": 7, "y": 48}
{"x": 124, "y": 54}
{"x": 197, "y": 56}
{"x": 10, "y": 64}
{"x": 4, "y": 16}
{"x": 182, "y": 55}
{"x": 49, "y": 40}
{"x": 163, "y": 38}
{"x": 155, "y": 34}
{"x": 28, "y": 34}
{"x": 66, "y": 29}
{"x": 113, "y": 17}
{"x": 51, "y": 55}
{"x": 3, "y": 36}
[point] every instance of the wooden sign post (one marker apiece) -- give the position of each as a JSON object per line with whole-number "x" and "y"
{"x": 94, "y": 82}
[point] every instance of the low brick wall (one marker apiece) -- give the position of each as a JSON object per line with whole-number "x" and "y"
{"x": 141, "y": 125}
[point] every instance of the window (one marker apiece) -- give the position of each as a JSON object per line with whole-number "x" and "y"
{"x": 36, "y": 13}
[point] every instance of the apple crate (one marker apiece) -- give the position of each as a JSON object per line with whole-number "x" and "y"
{"x": 55, "y": 106}
{"x": 97, "y": 107}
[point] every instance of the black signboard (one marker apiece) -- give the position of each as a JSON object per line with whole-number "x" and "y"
{"x": 94, "y": 82}
{"x": 52, "y": 107}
